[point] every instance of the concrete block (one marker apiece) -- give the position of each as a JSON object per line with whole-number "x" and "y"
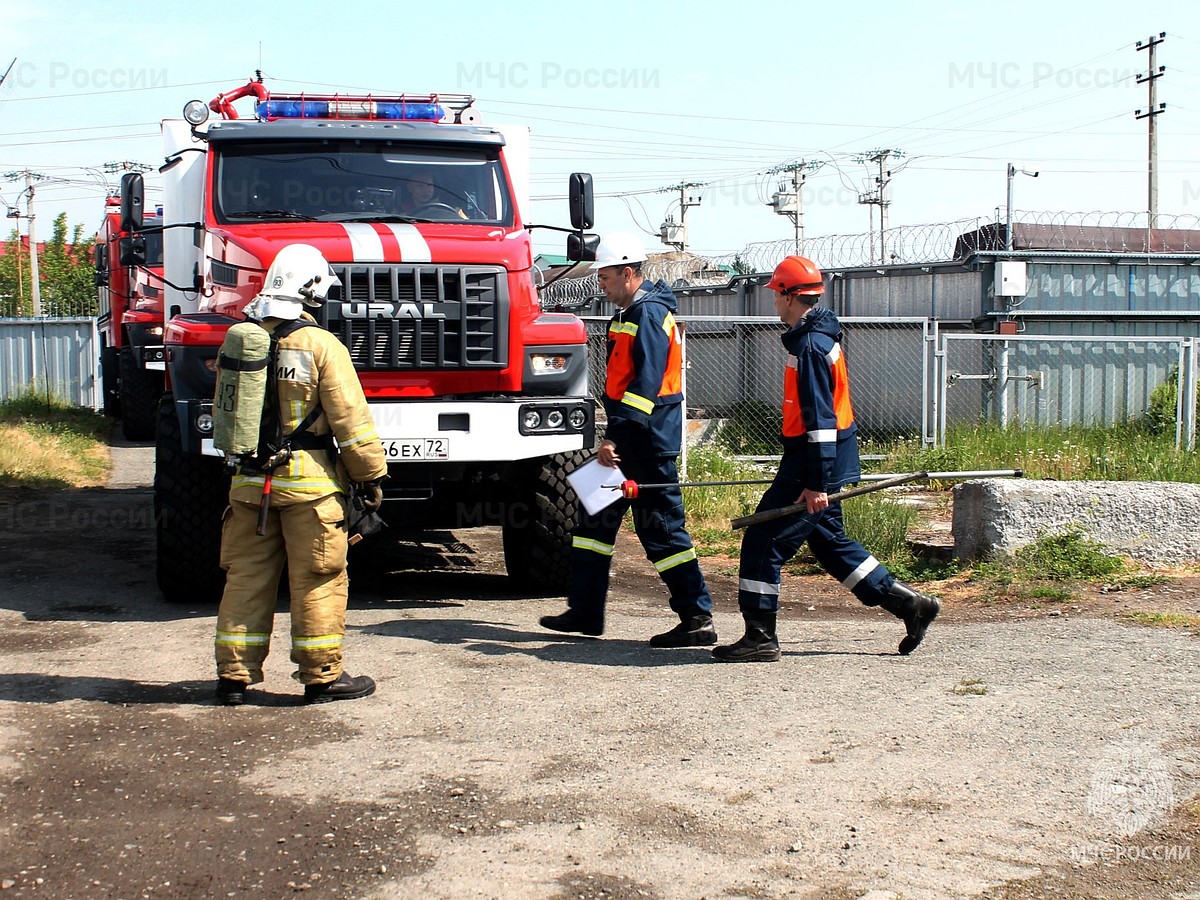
{"x": 1156, "y": 522}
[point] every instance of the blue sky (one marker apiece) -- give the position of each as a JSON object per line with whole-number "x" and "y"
{"x": 648, "y": 95}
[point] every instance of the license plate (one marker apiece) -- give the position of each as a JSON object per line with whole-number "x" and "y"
{"x": 417, "y": 449}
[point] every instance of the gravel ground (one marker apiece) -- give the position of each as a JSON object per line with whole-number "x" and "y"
{"x": 499, "y": 760}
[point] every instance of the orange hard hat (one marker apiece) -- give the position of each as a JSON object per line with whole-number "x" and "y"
{"x": 797, "y": 275}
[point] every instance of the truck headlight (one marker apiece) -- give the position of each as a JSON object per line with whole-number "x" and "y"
{"x": 547, "y": 363}
{"x": 532, "y": 419}
{"x": 577, "y": 419}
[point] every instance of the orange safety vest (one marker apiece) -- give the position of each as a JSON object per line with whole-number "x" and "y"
{"x": 620, "y": 372}
{"x": 793, "y": 413}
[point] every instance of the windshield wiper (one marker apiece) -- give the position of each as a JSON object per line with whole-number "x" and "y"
{"x": 368, "y": 217}
{"x": 269, "y": 214}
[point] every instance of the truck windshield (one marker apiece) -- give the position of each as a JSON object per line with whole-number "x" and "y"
{"x": 329, "y": 181}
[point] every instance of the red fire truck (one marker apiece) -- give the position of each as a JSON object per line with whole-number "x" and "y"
{"x": 130, "y": 320}
{"x": 480, "y": 397}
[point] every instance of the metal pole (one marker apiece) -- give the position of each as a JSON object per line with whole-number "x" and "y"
{"x": 1002, "y": 385}
{"x": 1152, "y": 128}
{"x": 33, "y": 253}
{"x": 683, "y": 365}
{"x": 798, "y": 184}
{"x": 1008, "y": 235}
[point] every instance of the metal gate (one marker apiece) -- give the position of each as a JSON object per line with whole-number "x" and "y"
{"x": 1063, "y": 380}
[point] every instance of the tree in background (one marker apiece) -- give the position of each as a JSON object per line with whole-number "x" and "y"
{"x": 65, "y": 267}
{"x": 15, "y": 298}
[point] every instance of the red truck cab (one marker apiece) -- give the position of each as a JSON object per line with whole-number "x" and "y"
{"x": 130, "y": 319}
{"x": 480, "y": 397}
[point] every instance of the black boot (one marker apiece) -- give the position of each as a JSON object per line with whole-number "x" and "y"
{"x": 573, "y": 622}
{"x": 693, "y": 631}
{"x": 346, "y": 687}
{"x": 758, "y": 644}
{"x": 916, "y": 609}
{"x": 230, "y": 692}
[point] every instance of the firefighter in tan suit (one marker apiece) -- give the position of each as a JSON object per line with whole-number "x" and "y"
{"x": 307, "y": 512}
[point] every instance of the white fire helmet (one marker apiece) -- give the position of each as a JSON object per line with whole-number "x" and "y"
{"x": 618, "y": 249}
{"x": 300, "y": 276}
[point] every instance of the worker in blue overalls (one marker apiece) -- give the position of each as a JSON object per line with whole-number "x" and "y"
{"x": 643, "y": 399}
{"x": 820, "y": 457}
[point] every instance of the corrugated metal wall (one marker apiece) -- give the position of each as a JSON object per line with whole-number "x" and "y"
{"x": 56, "y": 355}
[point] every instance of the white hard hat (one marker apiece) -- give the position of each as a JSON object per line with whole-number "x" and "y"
{"x": 618, "y": 249}
{"x": 299, "y": 272}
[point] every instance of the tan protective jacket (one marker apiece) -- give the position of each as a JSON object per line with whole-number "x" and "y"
{"x": 314, "y": 367}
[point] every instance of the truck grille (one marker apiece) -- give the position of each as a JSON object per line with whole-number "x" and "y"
{"x": 420, "y": 317}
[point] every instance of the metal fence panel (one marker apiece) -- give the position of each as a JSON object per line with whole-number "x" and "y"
{"x": 1059, "y": 380}
{"x": 735, "y": 369}
{"x": 58, "y": 356}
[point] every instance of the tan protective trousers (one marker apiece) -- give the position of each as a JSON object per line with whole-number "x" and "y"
{"x": 311, "y": 536}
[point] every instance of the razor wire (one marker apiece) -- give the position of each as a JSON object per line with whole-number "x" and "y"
{"x": 914, "y": 245}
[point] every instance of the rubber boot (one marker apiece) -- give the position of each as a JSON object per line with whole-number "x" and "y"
{"x": 346, "y": 687}
{"x": 572, "y": 622}
{"x": 692, "y": 631}
{"x": 916, "y": 609}
{"x": 231, "y": 692}
{"x": 758, "y": 644}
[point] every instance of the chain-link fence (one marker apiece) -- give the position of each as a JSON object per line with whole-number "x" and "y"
{"x": 911, "y": 381}
{"x": 734, "y": 377}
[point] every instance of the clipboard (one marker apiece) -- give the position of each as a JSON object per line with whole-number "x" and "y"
{"x": 597, "y": 486}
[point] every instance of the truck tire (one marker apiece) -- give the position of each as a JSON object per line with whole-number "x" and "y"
{"x": 537, "y": 535}
{"x": 110, "y": 381}
{"x": 140, "y": 391}
{"x": 190, "y": 495}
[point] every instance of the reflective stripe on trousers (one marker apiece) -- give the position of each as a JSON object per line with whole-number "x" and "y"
{"x": 768, "y": 546}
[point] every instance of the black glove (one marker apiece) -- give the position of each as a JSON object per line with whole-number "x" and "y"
{"x": 370, "y": 495}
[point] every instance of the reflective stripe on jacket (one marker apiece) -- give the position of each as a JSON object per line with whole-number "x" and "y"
{"x": 315, "y": 368}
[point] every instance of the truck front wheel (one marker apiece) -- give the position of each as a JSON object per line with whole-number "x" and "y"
{"x": 537, "y": 529}
{"x": 140, "y": 390}
{"x": 190, "y": 494}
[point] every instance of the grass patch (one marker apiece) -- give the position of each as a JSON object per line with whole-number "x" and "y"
{"x": 48, "y": 443}
{"x": 1161, "y": 619}
{"x": 1052, "y": 569}
{"x": 1139, "y": 451}
{"x": 970, "y": 687}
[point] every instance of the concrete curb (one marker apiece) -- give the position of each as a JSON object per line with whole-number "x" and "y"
{"x": 1152, "y": 521}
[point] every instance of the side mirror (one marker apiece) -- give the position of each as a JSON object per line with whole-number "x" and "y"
{"x": 100, "y": 257}
{"x": 133, "y": 251}
{"x": 581, "y": 201}
{"x": 582, "y": 247}
{"x": 133, "y": 202}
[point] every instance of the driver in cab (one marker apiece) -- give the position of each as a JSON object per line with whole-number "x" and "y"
{"x": 421, "y": 199}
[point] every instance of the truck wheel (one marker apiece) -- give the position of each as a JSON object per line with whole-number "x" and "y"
{"x": 537, "y": 536}
{"x": 140, "y": 391}
{"x": 110, "y": 381}
{"x": 190, "y": 494}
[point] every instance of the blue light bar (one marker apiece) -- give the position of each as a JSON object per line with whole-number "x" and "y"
{"x": 345, "y": 108}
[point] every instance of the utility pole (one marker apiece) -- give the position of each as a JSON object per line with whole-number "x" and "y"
{"x": 36, "y": 287}
{"x": 790, "y": 203}
{"x": 674, "y": 235}
{"x": 878, "y": 196}
{"x": 1151, "y": 113}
